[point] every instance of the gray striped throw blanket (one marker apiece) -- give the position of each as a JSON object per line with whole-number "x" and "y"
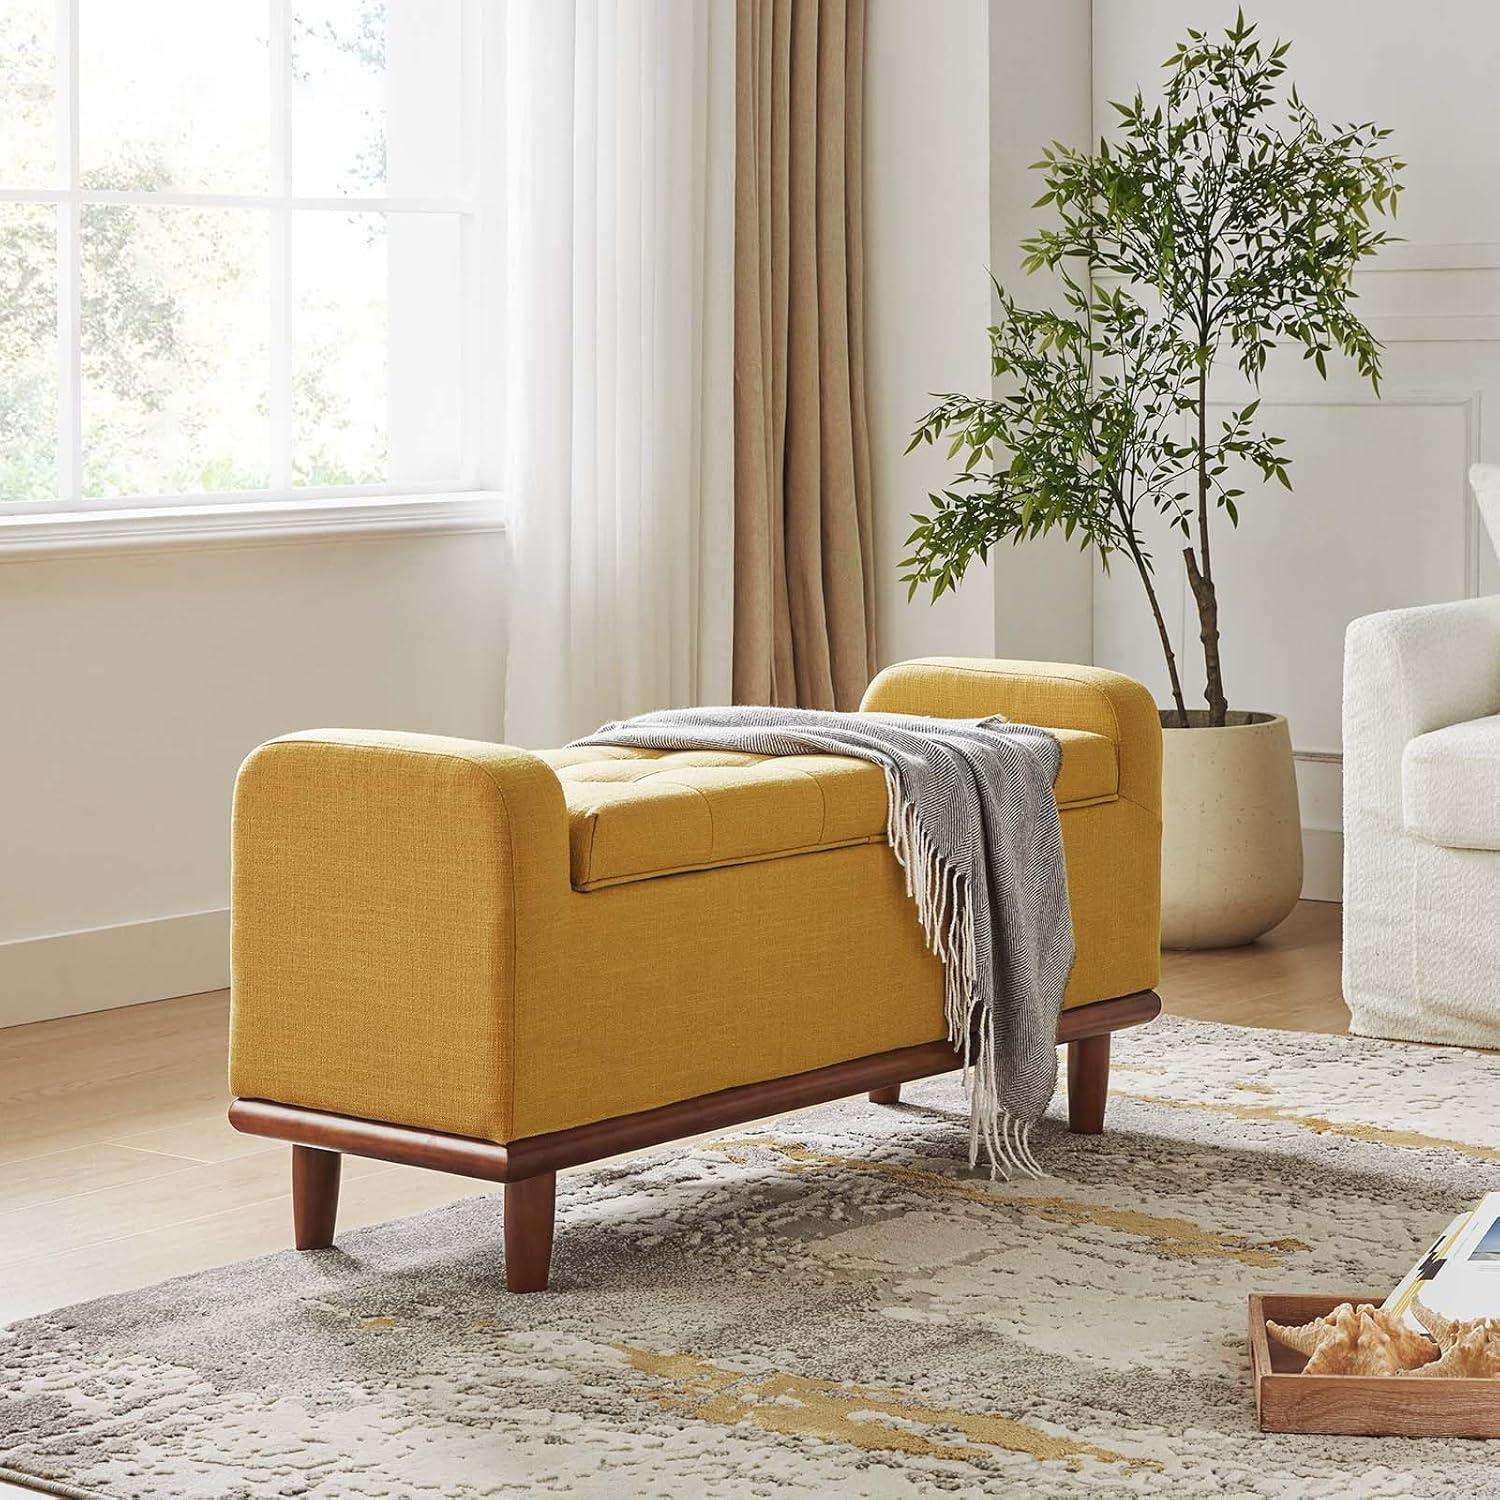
{"x": 973, "y": 821}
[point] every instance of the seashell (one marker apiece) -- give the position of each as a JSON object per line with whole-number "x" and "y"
{"x": 1475, "y": 1355}
{"x": 1360, "y": 1340}
{"x": 1471, "y": 1350}
{"x": 1444, "y": 1330}
{"x": 1306, "y": 1337}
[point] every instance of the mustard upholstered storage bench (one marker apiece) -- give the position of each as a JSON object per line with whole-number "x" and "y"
{"x": 499, "y": 963}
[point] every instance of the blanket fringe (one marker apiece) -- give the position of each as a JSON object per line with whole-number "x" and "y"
{"x": 941, "y": 894}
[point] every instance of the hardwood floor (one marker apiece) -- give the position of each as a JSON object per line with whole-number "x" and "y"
{"x": 1288, "y": 981}
{"x": 118, "y": 1169}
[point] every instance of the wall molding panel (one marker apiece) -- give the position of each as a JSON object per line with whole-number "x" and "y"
{"x": 1381, "y": 517}
{"x": 1470, "y": 402}
{"x": 1394, "y": 522}
{"x": 1453, "y": 546}
{"x": 1433, "y": 255}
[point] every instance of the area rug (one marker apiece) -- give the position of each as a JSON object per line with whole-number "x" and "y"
{"x": 832, "y": 1305}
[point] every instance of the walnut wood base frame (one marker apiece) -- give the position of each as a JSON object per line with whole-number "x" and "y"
{"x": 529, "y": 1167}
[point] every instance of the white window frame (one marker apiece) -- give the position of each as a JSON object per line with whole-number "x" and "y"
{"x": 282, "y": 509}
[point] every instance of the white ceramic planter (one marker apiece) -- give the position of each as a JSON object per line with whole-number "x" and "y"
{"x": 1231, "y": 848}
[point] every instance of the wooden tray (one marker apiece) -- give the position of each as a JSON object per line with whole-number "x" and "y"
{"x": 1356, "y": 1405}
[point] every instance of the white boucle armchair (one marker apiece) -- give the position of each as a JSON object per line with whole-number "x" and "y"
{"x": 1422, "y": 817}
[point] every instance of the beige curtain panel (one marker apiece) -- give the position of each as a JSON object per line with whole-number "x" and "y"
{"x": 804, "y": 622}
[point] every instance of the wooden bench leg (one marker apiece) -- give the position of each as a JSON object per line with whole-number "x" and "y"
{"x": 529, "y": 1206}
{"x": 1088, "y": 1083}
{"x": 315, "y": 1196}
{"x": 890, "y": 1094}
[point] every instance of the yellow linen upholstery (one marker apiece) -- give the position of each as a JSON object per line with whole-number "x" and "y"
{"x": 1060, "y": 696}
{"x": 1113, "y": 849}
{"x": 635, "y": 814}
{"x": 410, "y": 942}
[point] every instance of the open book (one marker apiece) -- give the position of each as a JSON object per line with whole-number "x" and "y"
{"x": 1460, "y": 1274}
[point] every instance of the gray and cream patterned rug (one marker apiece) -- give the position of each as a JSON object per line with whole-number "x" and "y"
{"x": 834, "y": 1304}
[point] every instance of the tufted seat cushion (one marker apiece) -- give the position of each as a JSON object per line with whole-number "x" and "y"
{"x": 1450, "y": 785}
{"x": 634, "y": 814}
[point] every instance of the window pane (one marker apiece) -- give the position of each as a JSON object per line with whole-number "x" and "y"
{"x": 28, "y": 352}
{"x": 176, "y": 313}
{"x": 377, "y": 102}
{"x": 426, "y": 361}
{"x": 175, "y": 94}
{"x": 377, "y": 347}
{"x": 340, "y": 327}
{"x": 28, "y": 94}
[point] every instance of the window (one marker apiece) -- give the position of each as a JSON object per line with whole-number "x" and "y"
{"x": 237, "y": 243}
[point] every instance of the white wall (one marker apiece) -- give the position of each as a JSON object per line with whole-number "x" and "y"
{"x": 133, "y": 683}
{"x": 927, "y": 299}
{"x": 1380, "y": 516}
{"x": 958, "y": 99}
{"x": 1039, "y": 92}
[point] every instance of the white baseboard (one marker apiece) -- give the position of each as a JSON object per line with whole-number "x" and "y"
{"x": 1322, "y": 864}
{"x": 68, "y": 973}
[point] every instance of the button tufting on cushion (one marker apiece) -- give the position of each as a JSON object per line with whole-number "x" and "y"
{"x": 634, "y": 814}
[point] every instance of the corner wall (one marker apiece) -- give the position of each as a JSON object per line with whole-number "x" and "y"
{"x": 1039, "y": 80}
{"x": 926, "y": 295}
{"x": 959, "y": 98}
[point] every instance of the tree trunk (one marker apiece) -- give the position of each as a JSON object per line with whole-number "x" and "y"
{"x": 1208, "y": 632}
{"x": 1203, "y": 581}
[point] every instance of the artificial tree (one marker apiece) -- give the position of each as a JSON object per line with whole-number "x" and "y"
{"x": 1225, "y": 219}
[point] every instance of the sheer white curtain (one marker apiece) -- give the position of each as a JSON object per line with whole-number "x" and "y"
{"x": 619, "y": 378}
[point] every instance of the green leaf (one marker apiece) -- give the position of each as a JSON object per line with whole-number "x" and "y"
{"x": 1200, "y": 233}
